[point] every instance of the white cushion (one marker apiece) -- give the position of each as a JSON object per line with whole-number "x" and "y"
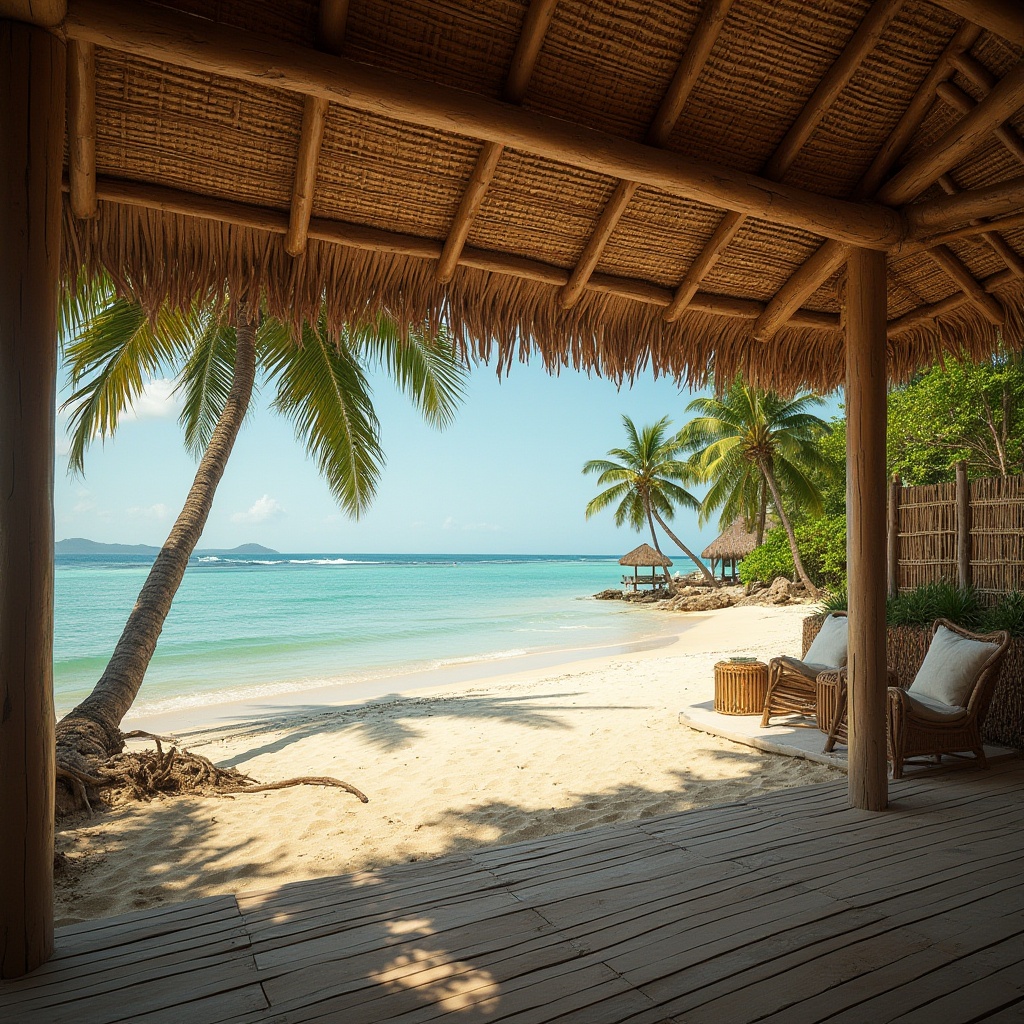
{"x": 950, "y": 667}
{"x": 829, "y": 647}
{"x": 931, "y": 710}
{"x": 804, "y": 668}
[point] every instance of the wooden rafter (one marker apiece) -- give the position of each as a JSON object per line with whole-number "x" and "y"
{"x": 683, "y": 81}
{"x": 331, "y": 35}
{"x": 948, "y": 262}
{"x": 830, "y": 256}
{"x": 996, "y": 242}
{"x": 831, "y": 85}
{"x": 82, "y": 128}
{"x": 1008, "y": 223}
{"x": 1000, "y": 16}
{"x": 524, "y": 60}
{"x": 357, "y": 236}
{"x": 950, "y": 302}
{"x": 187, "y": 41}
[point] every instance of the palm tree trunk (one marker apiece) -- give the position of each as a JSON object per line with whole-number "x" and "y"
{"x": 709, "y": 577}
{"x": 773, "y": 486}
{"x": 762, "y": 512}
{"x": 91, "y": 732}
{"x": 657, "y": 547}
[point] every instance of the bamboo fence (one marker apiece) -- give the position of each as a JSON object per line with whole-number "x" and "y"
{"x": 970, "y": 533}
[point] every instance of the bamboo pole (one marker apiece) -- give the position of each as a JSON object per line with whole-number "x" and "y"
{"x": 183, "y": 40}
{"x": 33, "y": 87}
{"x": 866, "y": 418}
{"x": 892, "y": 548}
{"x": 963, "y": 527}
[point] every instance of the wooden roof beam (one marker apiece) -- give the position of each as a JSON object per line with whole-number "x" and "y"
{"x": 186, "y": 41}
{"x": 524, "y": 60}
{"x": 1008, "y": 223}
{"x": 705, "y": 34}
{"x": 953, "y": 268}
{"x": 830, "y": 256}
{"x": 358, "y": 236}
{"x": 998, "y": 244}
{"x": 1005, "y": 99}
{"x": 44, "y": 13}
{"x": 82, "y": 128}
{"x": 950, "y": 302}
{"x": 838, "y": 76}
{"x": 1000, "y": 16}
{"x": 331, "y": 35}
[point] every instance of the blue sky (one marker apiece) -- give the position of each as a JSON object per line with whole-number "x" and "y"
{"x": 504, "y": 478}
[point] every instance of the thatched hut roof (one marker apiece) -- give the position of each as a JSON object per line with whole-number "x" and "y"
{"x": 645, "y": 555}
{"x": 608, "y": 185}
{"x": 736, "y": 542}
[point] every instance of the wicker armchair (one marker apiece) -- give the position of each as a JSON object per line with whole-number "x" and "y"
{"x": 919, "y": 726}
{"x": 792, "y": 684}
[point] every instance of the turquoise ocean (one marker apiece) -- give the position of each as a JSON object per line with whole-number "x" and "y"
{"x": 250, "y": 628}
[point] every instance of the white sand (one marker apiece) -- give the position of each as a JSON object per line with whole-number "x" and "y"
{"x": 515, "y": 757}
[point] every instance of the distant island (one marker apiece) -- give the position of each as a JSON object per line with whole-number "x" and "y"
{"x": 83, "y": 546}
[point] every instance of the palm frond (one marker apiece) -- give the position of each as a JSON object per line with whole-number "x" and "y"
{"x": 322, "y": 389}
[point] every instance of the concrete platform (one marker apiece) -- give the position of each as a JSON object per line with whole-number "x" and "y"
{"x": 782, "y": 738}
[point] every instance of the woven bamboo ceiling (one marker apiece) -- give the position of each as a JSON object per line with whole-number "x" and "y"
{"x": 612, "y": 184}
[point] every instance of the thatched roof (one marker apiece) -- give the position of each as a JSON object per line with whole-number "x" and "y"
{"x": 645, "y": 555}
{"x": 606, "y": 142}
{"x": 736, "y": 542}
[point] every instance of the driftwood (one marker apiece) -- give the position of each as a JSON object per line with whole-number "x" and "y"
{"x": 144, "y": 774}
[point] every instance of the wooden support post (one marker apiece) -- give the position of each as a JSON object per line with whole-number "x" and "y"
{"x": 963, "y": 527}
{"x": 32, "y": 99}
{"x": 865, "y": 490}
{"x": 892, "y": 549}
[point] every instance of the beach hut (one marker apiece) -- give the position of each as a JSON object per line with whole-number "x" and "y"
{"x": 729, "y": 547}
{"x": 809, "y": 193}
{"x": 645, "y": 556}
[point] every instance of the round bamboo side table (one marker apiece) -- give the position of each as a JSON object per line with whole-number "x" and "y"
{"x": 740, "y": 687}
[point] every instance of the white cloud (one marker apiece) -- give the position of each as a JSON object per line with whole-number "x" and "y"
{"x": 157, "y": 401}
{"x": 157, "y": 512}
{"x": 260, "y": 511}
{"x": 84, "y": 503}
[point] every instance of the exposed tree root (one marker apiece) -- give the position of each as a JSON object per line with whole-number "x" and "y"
{"x": 144, "y": 774}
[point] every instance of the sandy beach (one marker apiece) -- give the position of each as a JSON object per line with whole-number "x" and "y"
{"x": 499, "y": 759}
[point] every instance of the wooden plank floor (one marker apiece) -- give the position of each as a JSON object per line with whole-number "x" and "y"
{"x": 788, "y": 908}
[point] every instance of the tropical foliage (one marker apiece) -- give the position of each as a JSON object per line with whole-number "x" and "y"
{"x": 959, "y": 410}
{"x": 754, "y": 447}
{"x": 644, "y": 482}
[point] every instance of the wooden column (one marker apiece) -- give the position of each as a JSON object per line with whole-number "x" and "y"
{"x": 963, "y": 527}
{"x": 866, "y": 544}
{"x": 32, "y": 99}
{"x": 892, "y": 551}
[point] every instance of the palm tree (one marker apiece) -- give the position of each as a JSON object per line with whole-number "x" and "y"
{"x": 748, "y": 440}
{"x": 214, "y": 354}
{"x": 644, "y": 484}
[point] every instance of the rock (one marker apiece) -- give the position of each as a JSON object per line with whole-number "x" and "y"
{"x": 609, "y": 595}
{"x": 782, "y": 591}
{"x": 702, "y": 601}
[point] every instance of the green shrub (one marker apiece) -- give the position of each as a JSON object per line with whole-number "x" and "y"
{"x": 1007, "y": 614}
{"x": 822, "y": 544}
{"x": 923, "y": 605}
{"x": 769, "y": 561}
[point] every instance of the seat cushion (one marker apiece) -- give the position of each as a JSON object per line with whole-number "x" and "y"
{"x": 929, "y": 709}
{"x": 951, "y": 668}
{"x": 829, "y": 647}
{"x": 803, "y": 668}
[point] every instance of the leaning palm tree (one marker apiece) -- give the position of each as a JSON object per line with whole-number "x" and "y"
{"x": 645, "y": 484}
{"x": 748, "y": 440}
{"x": 216, "y": 351}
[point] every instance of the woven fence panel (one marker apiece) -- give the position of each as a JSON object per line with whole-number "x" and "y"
{"x": 997, "y": 536}
{"x": 927, "y": 535}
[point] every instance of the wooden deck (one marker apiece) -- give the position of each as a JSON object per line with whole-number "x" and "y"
{"x": 788, "y": 908}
